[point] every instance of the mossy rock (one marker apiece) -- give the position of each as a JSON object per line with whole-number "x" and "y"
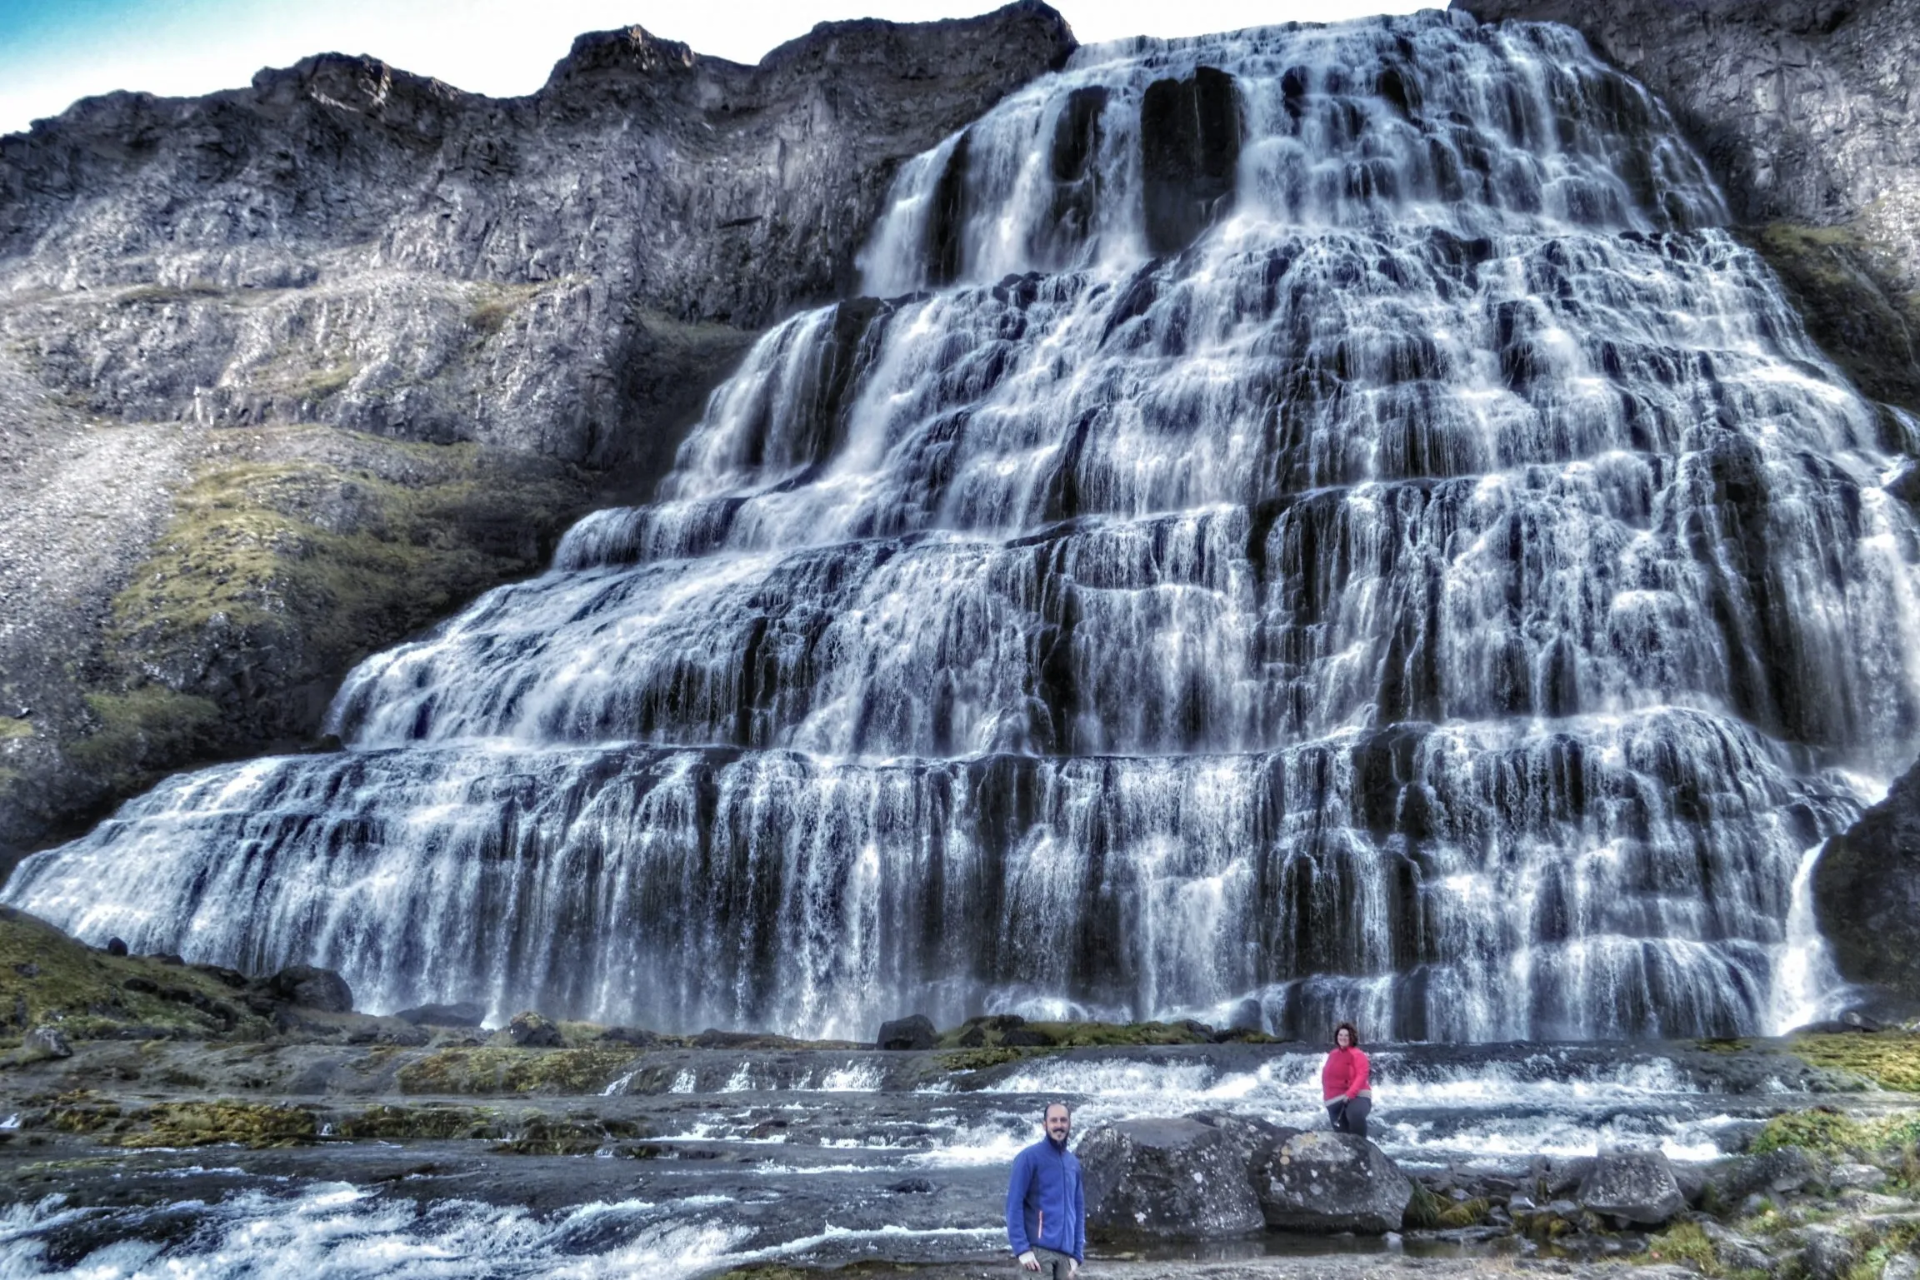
{"x": 493, "y": 1069}
{"x": 398, "y": 1123}
{"x": 1889, "y": 1059}
{"x": 203, "y": 1124}
{"x": 48, "y": 977}
{"x": 1839, "y": 278}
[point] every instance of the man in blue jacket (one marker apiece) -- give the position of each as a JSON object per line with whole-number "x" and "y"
{"x": 1046, "y": 1210}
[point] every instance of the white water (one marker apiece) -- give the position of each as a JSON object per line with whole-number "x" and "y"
{"x": 1436, "y": 594}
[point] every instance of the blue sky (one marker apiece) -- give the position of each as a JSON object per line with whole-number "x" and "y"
{"x": 54, "y": 51}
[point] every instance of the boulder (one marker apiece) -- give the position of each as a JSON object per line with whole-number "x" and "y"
{"x": 321, "y": 990}
{"x": 1864, "y": 1177}
{"x": 530, "y": 1030}
{"x": 1866, "y": 893}
{"x": 43, "y": 1043}
{"x": 1255, "y": 1139}
{"x": 116, "y": 946}
{"x": 1327, "y": 1182}
{"x": 464, "y": 1014}
{"x": 1167, "y": 1177}
{"x": 916, "y": 1032}
{"x": 1636, "y": 1185}
{"x": 1827, "y": 1253}
{"x": 1779, "y": 1172}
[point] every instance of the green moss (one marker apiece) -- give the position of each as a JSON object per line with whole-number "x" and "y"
{"x": 356, "y": 558}
{"x": 1467, "y": 1213}
{"x": 48, "y": 977}
{"x": 506, "y": 1070}
{"x": 148, "y": 721}
{"x": 1077, "y": 1035}
{"x": 1423, "y": 1208}
{"x": 1889, "y": 1059}
{"x": 1827, "y": 1132}
{"x": 416, "y": 1122}
{"x": 1840, "y": 1136}
{"x": 12, "y": 728}
{"x": 201, "y": 1124}
{"x": 318, "y": 384}
{"x": 981, "y": 1059}
{"x": 1685, "y": 1243}
{"x": 492, "y": 305}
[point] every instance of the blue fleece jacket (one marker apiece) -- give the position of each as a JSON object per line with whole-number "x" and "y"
{"x": 1045, "y": 1205}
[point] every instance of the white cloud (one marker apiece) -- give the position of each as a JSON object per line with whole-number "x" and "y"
{"x": 507, "y": 47}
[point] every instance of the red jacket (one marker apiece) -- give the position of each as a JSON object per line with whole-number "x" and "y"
{"x": 1345, "y": 1075}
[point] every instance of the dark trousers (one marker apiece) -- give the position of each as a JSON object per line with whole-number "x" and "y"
{"x": 1053, "y": 1266}
{"x": 1350, "y": 1116}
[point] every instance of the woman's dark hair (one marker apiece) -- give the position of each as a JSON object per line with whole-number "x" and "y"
{"x": 1353, "y": 1035}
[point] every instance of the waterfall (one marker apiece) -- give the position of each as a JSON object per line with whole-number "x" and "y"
{"x": 1313, "y": 522}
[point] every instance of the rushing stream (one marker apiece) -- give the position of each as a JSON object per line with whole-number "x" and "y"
{"x": 1312, "y": 522}
{"x": 823, "y": 1158}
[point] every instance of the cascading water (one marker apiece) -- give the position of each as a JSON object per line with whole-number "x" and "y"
{"x": 1322, "y": 522}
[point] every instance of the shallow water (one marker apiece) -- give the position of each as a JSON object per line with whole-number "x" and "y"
{"x": 759, "y": 1162}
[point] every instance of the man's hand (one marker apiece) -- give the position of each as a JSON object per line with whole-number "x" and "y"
{"x": 1030, "y": 1262}
{"x": 1073, "y": 1268}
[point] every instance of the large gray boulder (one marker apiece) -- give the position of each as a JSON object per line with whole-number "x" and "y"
{"x": 1179, "y": 1178}
{"x": 915, "y": 1032}
{"x": 311, "y": 987}
{"x": 1866, "y": 894}
{"x": 1325, "y": 1182}
{"x": 1636, "y": 1185}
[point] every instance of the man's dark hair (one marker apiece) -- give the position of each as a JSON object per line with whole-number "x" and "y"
{"x": 1353, "y": 1034}
{"x": 1048, "y": 1109}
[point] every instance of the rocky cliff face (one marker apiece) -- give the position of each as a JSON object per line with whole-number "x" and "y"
{"x": 289, "y": 371}
{"x": 1809, "y": 113}
{"x": 1866, "y": 890}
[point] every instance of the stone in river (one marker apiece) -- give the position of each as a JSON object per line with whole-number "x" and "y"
{"x": 1328, "y": 1182}
{"x": 1636, "y": 1185}
{"x": 1167, "y": 1178}
{"x": 916, "y": 1032}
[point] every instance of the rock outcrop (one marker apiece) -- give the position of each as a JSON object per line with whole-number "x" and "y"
{"x": 1325, "y": 1182}
{"x": 1169, "y": 1178}
{"x": 290, "y": 371}
{"x": 1807, "y": 113}
{"x": 1632, "y": 1186}
{"x": 1866, "y": 896}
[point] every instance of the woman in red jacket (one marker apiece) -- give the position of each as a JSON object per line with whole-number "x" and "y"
{"x": 1344, "y": 1083}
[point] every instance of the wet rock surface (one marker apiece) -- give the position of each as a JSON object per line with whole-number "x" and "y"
{"x": 357, "y": 345}
{"x": 611, "y": 1144}
{"x": 1327, "y": 1182}
{"x": 1866, "y": 891}
{"x": 1167, "y": 1177}
{"x": 1634, "y": 1186}
{"x": 1802, "y": 108}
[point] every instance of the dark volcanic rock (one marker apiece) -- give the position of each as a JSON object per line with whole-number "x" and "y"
{"x": 1326, "y": 1182}
{"x": 531, "y": 1030}
{"x": 1866, "y": 893}
{"x": 1189, "y": 153}
{"x": 1167, "y": 1178}
{"x": 916, "y": 1032}
{"x": 1637, "y": 1186}
{"x": 308, "y": 987}
{"x": 464, "y": 1014}
{"x": 1800, "y": 108}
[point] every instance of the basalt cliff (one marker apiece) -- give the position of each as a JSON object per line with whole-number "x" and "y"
{"x": 291, "y": 371}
